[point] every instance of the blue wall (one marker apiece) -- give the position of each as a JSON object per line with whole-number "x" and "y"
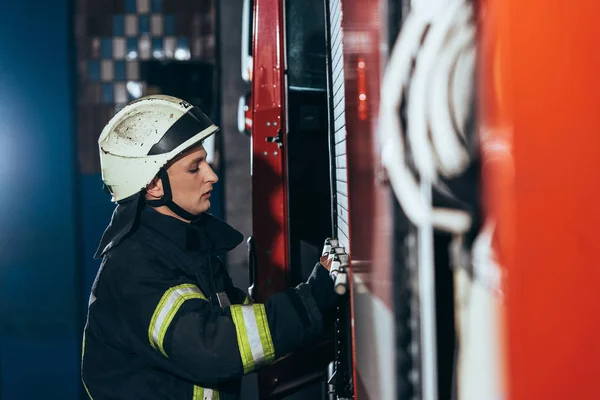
{"x": 51, "y": 217}
{"x": 40, "y": 284}
{"x": 96, "y": 211}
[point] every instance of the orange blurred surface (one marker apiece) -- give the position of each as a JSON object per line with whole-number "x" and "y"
{"x": 539, "y": 107}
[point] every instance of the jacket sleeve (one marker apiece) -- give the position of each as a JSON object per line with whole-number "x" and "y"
{"x": 236, "y": 295}
{"x": 167, "y": 320}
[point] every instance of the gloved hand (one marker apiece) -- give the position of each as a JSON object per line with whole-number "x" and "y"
{"x": 321, "y": 286}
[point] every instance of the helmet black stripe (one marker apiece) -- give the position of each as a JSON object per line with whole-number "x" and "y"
{"x": 186, "y": 127}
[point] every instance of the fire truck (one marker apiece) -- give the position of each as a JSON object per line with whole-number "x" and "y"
{"x": 428, "y": 140}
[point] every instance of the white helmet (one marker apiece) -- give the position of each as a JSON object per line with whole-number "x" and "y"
{"x": 135, "y": 146}
{"x": 143, "y": 137}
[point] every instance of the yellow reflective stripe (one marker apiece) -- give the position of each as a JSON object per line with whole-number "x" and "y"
{"x": 247, "y": 300}
{"x": 87, "y": 390}
{"x": 165, "y": 311}
{"x": 82, "y": 353}
{"x": 178, "y": 303}
{"x": 242, "y": 338}
{"x": 205, "y": 394}
{"x": 198, "y": 393}
{"x": 264, "y": 332}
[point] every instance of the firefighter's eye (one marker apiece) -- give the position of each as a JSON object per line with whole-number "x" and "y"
{"x": 193, "y": 171}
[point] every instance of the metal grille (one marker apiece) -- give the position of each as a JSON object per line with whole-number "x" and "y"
{"x": 343, "y": 384}
{"x": 338, "y": 141}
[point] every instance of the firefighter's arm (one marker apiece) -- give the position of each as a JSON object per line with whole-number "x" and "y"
{"x": 319, "y": 283}
{"x": 174, "y": 326}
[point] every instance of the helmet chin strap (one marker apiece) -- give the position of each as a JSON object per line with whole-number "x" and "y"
{"x": 167, "y": 199}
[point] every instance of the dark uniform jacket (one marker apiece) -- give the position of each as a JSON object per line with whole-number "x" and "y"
{"x": 166, "y": 322}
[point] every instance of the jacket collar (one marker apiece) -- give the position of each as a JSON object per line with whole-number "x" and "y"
{"x": 207, "y": 234}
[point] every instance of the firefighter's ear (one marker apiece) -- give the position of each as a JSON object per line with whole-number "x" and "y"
{"x": 154, "y": 190}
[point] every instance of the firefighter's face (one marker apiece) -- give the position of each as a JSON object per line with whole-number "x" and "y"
{"x": 192, "y": 181}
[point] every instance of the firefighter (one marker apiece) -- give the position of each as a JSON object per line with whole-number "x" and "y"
{"x": 164, "y": 319}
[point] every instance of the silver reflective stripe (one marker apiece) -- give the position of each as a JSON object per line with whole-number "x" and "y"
{"x": 253, "y": 334}
{"x": 168, "y": 306}
{"x": 92, "y": 299}
{"x": 223, "y": 300}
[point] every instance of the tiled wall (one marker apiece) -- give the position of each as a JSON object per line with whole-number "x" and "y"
{"x": 114, "y": 37}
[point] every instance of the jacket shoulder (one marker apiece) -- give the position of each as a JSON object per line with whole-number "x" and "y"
{"x": 134, "y": 261}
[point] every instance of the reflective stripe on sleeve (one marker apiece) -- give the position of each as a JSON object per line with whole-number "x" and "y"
{"x": 253, "y": 335}
{"x": 82, "y": 354}
{"x": 247, "y": 300}
{"x": 164, "y": 313}
{"x": 205, "y": 394}
{"x": 265, "y": 333}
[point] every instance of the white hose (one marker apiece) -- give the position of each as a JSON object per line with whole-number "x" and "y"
{"x": 418, "y": 127}
{"x": 443, "y": 44}
{"x": 453, "y": 157}
{"x": 393, "y": 84}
